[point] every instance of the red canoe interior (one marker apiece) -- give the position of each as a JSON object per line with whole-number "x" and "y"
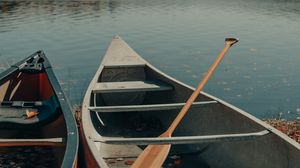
{"x": 32, "y": 87}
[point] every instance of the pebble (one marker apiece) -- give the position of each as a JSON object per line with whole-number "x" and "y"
{"x": 27, "y": 150}
{"x": 290, "y": 128}
{"x": 177, "y": 162}
{"x": 23, "y": 157}
{"x": 170, "y": 165}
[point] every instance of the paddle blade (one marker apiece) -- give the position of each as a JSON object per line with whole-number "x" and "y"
{"x": 152, "y": 157}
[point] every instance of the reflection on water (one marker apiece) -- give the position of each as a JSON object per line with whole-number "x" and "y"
{"x": 179, "y": 37}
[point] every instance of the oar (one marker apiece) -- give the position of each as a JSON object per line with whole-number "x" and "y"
{"x": 155, "y": 155}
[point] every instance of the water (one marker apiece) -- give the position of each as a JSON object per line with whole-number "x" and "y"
{"x": 180, "y": 37}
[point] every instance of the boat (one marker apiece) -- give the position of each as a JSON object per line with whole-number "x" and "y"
{"x": 37, "y": 127}
{"x": 129, "y": 103}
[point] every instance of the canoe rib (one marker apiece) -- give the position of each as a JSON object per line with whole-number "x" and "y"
{"x": 130, "y": 86}
{"x": 150, "y": 107}
{"x": 183, "y": 139}
{"x": 55, "y": 142}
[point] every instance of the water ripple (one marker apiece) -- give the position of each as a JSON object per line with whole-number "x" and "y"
{"x": 180, "y": 37}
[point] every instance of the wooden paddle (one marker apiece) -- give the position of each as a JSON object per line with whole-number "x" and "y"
{"x": 155, "y": 155}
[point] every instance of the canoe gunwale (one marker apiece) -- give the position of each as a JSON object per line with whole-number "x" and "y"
{"x": 87, "y": 128}
{"x": 72, "y": 143}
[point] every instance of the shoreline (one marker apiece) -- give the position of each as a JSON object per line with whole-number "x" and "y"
{"x": 290, "y": 128}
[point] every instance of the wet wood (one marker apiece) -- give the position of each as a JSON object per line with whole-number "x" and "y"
{"x": 54, "y": 142}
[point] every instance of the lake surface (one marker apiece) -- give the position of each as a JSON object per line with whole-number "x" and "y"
{"x": 260, "y": 74}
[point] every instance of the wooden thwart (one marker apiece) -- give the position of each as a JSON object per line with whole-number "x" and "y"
{"x": 55, "y": 142}
{"x": 148, "y": 107}
{"x": 126, "y": 65}
{"x": 130, "y": 86}
{"x": 183, "y": 139}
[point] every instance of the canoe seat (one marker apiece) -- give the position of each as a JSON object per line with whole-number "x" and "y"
{"x": 148, "y": 107}
{"x": 130, "y": 86}
{"x": 182, "y": 139}
{"x": 13, "y": 113}
{"x": 20, "y": 103}
{"x": 58, "y": 142}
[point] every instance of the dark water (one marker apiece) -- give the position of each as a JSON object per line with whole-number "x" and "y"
{"x": 180, "y": 37}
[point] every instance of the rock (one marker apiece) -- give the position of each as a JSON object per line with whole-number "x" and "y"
{"x": 12, "y": 163}
{"x": 170, "y": 165}
{"x": 177, "y": 162}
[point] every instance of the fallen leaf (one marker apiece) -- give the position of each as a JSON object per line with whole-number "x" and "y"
{"x": 31, "y": 114}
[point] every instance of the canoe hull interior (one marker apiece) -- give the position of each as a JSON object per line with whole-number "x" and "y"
{"x": 21, "y": 86}
{"x": 118, "y": 108}
{"x": 24, "y": 91}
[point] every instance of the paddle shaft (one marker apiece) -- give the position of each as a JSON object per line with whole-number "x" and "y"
{"x": 195, "y": 94}
{"x": 154, "y": 155}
